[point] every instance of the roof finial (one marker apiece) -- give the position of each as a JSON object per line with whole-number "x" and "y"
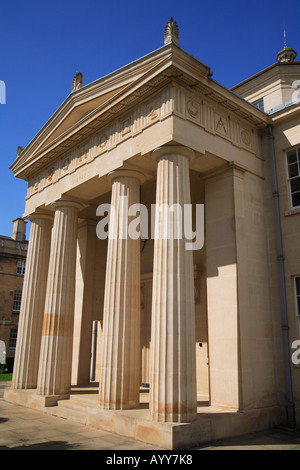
{"x": 284, "y": 34}
{"x": 287, "y": 55}
{"x": 19, "y": 150}
{"x": 77, "y": 81}
{"x": 172, "y": 33}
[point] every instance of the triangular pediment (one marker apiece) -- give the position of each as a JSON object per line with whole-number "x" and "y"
{"x": 93, "y": 105}
{"x": 77, "y": 113}
{"x": 81, "y": 103}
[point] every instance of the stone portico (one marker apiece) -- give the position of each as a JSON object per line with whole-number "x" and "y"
{"x": 184, "y": 348}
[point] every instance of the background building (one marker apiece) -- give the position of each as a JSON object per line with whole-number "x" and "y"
{"x": 13, "y": 252}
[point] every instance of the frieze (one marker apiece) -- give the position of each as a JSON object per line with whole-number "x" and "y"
{"x": 171, "y": 100}
{"x": 211, "y": 117}
{"x": 104, "y": 140}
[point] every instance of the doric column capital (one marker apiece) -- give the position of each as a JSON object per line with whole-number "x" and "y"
{"x": 113, "y": 175}
{"x": 169, "y": 150}
{"x": 67, "y": 201}
{"x": 40, "y": 215}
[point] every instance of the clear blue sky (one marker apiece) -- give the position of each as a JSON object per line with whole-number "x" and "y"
{"x": 44, "y": 43}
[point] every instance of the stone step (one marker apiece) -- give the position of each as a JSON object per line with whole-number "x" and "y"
{"x": 79, "y": 403}
{"x": 70, "y": 410}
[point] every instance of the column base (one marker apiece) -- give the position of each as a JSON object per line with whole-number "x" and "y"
{"x": 31, "y": 398}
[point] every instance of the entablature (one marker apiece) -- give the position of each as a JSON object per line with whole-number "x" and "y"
{"x": 138, "y": 131}
{"x": 169, "y": 64}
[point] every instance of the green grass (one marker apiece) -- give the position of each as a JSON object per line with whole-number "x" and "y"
{"x": 5, "y": 377}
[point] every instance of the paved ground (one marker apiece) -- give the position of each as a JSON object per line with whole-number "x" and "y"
{"x": 25, "y": 429}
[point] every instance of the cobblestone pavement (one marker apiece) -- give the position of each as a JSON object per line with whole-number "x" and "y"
{"x": 25, "y": 429}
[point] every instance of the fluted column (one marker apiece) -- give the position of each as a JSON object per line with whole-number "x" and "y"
{"x": 33, "y": 300}
{"x": 54, "y": 376}
{"x": 173, "y": 363}
{"x": 120, "y": 359}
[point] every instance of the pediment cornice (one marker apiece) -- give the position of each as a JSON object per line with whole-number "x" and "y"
{"x": 113, "y": 94}
{"x": 106, "y": 87}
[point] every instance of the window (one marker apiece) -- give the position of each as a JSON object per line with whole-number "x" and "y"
{"x": 13, "y": 339}
{"x": 293, "y": 164}
{"x": 21, "y": 266}
{"x": 259, "y": 104}
{"x": 17, "y": 301}
{"x": 297, "y": 291}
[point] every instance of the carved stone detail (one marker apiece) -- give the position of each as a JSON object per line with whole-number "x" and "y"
{"x": 83, "y": 153}
{"x": 66, "y": 164}
{"x": 152, "y": 112}
{"x": 245, "y": 138}
{"x": 172, "y": 33}
{"x": 221, "y": 124}
{"x": 126, "y": 126}
{"x": 170, "y": 100}
{"x": 19, "y": 151}
{"x": 102, "y": 142}
{"x": 77, "y": 82}
{"x": 193, "y": 108}
{"x": 50, "y": 174}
